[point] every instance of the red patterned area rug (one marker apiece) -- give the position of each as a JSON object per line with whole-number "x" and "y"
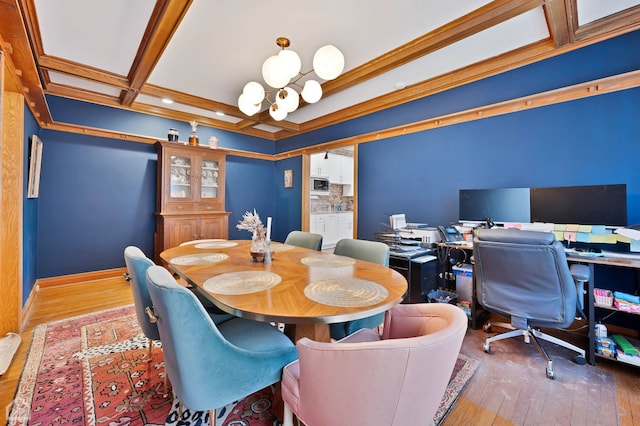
{"x": 96, "y": 369}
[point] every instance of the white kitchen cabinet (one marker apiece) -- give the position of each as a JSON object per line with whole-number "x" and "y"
{"x": 346, "y": 170}
{"x": 345, "y": 225}
{"x": 332, "y": 226}
{"x": 330, "y": 236}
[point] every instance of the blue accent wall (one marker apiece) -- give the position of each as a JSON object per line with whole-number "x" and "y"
{"x": 29, "y": 214}
{"x": 587, "y": 142}
{"x": 97, "y": 196}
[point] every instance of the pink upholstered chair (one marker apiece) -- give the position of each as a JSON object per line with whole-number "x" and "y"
{"x": 398, "y": 378}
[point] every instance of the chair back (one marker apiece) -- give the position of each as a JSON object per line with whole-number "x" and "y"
{"x": 371, "y": 251}
{"x": 304, "y": 239}
{"x": 211, "y": 366}
{"x": 137, "y": 265}
{"x": 378, "y": 382}
{"x": 524, "y": 275}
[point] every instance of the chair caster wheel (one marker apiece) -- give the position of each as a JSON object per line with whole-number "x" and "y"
{"x": 487, "y": 328}
{"x": 580, "y": 360}
{"x": 551, "y": 374}
{"x": 487, "y": 348}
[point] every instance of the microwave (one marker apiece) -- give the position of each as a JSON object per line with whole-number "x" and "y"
{"x": 319, "y": 185}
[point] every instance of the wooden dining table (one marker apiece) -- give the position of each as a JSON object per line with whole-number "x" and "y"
{"x": 305, "y": 289}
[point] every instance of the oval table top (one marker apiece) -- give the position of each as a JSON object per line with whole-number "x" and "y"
{"x": 300, "y": 286}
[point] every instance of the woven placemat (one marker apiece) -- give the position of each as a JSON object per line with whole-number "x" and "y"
{"x": 327, "y": 260}
{"x": 199, "y": 259}
{"x": 243, "y": 282}
{"x": 346, "y": 292}
{"x": 280, "y": 247}
{"x": 216, "y": 244}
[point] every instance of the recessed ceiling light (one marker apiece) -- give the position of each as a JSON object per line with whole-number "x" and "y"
{"x": 220, "y": 113}
{"x": 167, "y": 101}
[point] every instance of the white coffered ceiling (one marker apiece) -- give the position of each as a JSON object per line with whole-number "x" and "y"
{"x": 201, "y": 53}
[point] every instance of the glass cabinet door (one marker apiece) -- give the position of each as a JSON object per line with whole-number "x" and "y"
{"x": 209, "y": 179}
{"x": 180, "y": 177}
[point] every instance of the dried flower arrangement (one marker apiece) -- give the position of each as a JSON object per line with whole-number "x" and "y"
{"x": 251, "y": 222}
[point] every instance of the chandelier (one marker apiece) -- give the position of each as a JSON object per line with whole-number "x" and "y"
{"x": 282, "y": 73}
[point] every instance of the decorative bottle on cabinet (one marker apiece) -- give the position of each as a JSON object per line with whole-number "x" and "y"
{"x": 189, "y": 195}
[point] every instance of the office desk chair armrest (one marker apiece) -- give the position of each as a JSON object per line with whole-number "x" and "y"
{"x": 580, "y": 272}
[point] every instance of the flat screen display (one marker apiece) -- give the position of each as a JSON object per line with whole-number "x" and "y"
{"x": 500, "y": 205}
{"x": 584, "y": 205}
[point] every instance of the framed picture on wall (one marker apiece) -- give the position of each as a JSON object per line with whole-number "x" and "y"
{"x": 288, "y": 178}
{"x": 35, "y": 161}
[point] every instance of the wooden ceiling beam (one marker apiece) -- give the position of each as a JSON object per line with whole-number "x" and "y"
{"x": 51, "y": 63}
{"x": 472, "y": 23}
{"x": 19, "y": 58}
{"x": 165, "y": 19}
{"x": 560, "y": 20}
{"x": 623, "y": 21}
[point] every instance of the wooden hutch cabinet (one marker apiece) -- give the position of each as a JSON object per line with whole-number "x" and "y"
{"x": 190, "y": 195}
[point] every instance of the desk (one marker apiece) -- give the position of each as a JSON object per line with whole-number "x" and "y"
{"x": 303, "y": 273}
{"x": 591, "y": 262}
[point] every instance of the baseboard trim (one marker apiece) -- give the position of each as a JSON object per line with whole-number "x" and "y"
{"x": 78, "y": 278}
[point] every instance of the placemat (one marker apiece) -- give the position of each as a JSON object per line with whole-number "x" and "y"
{"x": 216, "y": 244}
{"x": 327, "y": 260}
{"x": 243, "y": 282}
{"x": 346, "y": 292}
{"x": 280, "y": 246}
{"x": 199, "y": 259}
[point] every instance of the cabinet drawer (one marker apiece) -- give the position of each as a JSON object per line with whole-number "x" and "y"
{"x": 205, "y": 207}
{"x": 179, "y": 207}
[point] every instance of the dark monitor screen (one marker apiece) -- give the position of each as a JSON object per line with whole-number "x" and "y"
{"x": 585, "y": 205}
{"x": 501, "y": 205}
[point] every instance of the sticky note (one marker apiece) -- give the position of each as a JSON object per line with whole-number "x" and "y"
{"x": 572, "y": 228}
{"x": 570, "y": 236}
{"x": 560, "y": 227}
{"x": 605, "y": 239}
{"x": 584, "y": 228}
{"x": 559, "y": 235}
{"x": 583, "y": 237}
{"x": 635, "y": 245}
{"x": 599, "y": 229}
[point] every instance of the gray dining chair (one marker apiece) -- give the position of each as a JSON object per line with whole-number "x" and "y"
{"x": 303, "y": 239}
{"x": 212, "y": 365}
{"x": 371, "y": 251}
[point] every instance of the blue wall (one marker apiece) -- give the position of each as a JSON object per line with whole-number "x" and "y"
{"x": 586, "y": 142}
{"x": 29, "y": 214}
{"x": 98, "y": 194}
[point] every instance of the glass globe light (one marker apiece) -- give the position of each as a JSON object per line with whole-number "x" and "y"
{"x": 328, "y": 62}
{"x": 254, "y": 92}
{"x": 277, "y": 113}
{"x": 247, "y": 106}
{"x": 288, "y": 99}
{"x": 311, "y": 91}
{"x": 291, "y": 61}
{"x": 274, "y": 72}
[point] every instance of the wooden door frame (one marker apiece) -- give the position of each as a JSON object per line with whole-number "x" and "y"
{"x": 11, "y": 196}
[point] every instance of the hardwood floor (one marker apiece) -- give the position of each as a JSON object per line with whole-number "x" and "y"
{"x": 508, "y": 388}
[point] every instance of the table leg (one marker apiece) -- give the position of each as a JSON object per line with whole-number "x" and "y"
{"x": 317, "y": 332}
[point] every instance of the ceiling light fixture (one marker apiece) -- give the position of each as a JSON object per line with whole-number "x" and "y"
{"x": 167, "y": 101}
{"x": 281, "y": 72}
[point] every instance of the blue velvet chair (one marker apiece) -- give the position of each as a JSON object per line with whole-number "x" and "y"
{"x": 212, "y": 365}
{"x": 304, "y": 239}
{"x": 371, "y": 251}
{"x": 137, "y": 265}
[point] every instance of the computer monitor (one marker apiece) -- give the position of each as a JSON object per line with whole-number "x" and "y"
{"x": 500, "y": 205}
{"x": 584, "y": 205}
